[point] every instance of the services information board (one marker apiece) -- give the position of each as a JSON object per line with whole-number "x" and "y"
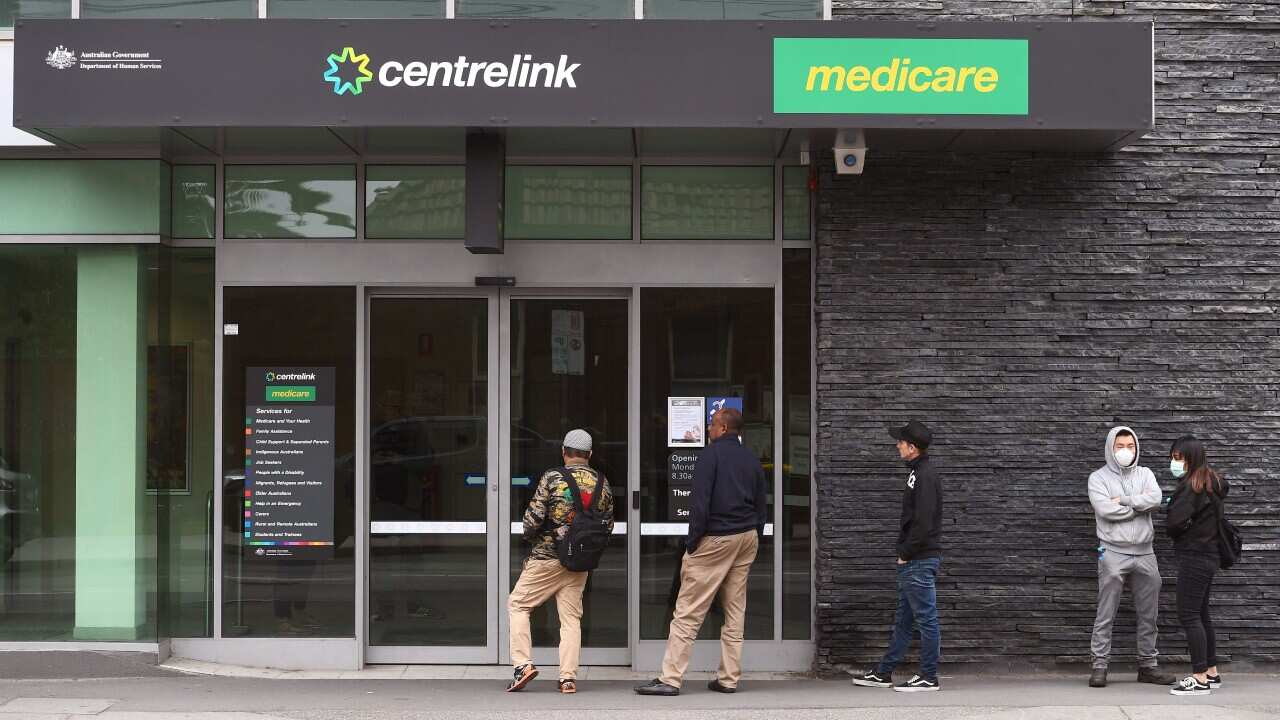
{"x": 288, "y": 461}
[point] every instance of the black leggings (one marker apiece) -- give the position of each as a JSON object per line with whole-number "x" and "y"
{"x": 1195, "y": 581}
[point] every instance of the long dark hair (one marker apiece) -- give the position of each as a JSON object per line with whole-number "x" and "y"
{"x": 1199, "y": 475}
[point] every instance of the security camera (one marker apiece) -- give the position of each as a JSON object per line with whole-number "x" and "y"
{"x": 850, "y": 151}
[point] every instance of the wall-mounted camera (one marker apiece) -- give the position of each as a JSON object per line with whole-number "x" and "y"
{"x": 850, "y": 151}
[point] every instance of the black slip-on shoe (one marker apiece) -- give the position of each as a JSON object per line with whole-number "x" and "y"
{"x": 1189, "y": 686}
{"x": 715, "y": 686}
{"x": 657, "y": 687}
{"x": 1098, "y": 678}
{"x": 874, "y": 679}
{"x": 523, "y": 676}
{"x": 1155, "y": 677}
{"x": 918, "y": 684}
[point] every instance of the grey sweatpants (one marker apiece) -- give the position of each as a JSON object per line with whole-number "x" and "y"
{"x": 1143, "y": 575}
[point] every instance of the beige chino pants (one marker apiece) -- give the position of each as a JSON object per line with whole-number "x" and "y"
{"x": 539, "y": 582}
{"x": 718, "y": 567}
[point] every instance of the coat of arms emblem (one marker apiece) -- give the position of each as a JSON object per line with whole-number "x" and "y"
{"x": 60, "y": 58}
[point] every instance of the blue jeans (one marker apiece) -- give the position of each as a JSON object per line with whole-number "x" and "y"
{"x": 917, "y": 610}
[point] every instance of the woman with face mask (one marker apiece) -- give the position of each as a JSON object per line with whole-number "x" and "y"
{"x": 1192, "y": 522}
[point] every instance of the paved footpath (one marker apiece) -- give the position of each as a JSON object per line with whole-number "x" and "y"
{"x": 168, "y": 694}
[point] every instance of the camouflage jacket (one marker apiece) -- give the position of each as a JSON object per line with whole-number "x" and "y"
{"x": 551, "y": 509}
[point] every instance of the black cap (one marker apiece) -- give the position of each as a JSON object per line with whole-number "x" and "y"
{"x": 914, "y": 432}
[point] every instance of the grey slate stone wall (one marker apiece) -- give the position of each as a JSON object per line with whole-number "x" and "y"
{"x": 1021, "y": 304}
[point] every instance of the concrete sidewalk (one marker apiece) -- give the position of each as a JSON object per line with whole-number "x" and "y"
{"x": 175, "y": 696}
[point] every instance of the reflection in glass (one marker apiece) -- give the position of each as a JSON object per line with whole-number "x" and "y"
{"x": 11, "y": 10}
{"x": 599, "y": 9}
{"x": 410, "y": 201}
{"x": 311, "y": 595}
{"x": 168, "y": 9}
{"x": 569, "y": 370}
{"x": 733, "y": 9}
{"x": 709, "y": 342}
{"x": 568, "y": 203}
{"x": 290, "y": 201}
{"x": 193, "y": 202}
{"x": 322, "y": 9}
{"x": 428, "y": 448}
{"x": 795, "y": 203}
{"x": 797, "y": 434}
{"x": 707, "y": 203}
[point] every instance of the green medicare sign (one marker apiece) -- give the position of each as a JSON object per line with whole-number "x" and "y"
{"x": 899, "y": 76}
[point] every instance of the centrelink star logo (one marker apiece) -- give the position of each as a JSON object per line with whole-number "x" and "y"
{"x": 361, "y": 65}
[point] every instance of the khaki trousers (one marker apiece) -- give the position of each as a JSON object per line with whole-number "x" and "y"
{"x": 719, "y": 566}
{"x": 539, "y": 582}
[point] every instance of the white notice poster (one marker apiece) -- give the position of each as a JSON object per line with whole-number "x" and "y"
{"x": 686, "y": 421}
{"x": 568, "y": 352}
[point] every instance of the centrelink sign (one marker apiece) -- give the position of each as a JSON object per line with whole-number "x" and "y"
{"x": 522, "y": 72}
{"x": 1078, "y": 77}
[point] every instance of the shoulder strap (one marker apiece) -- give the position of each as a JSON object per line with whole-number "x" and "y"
{"x": 572, "y": 482}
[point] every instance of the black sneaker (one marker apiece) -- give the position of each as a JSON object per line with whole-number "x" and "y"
{"x": 1215, "y": 681}
{"x": 657, "y": 687}
{"x": 872, "y": 678}
{"x": 1189, "y": 685}
{"x": 523, "y": 676}
{"x": 918, "y": 684}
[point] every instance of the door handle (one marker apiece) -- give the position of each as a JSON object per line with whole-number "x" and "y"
{"x": 635, "y": 499}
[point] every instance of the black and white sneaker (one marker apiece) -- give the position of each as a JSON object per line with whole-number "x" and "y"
{"x": 872, "y": 678}
{"x": 918, "y": 684}
{"x": 1189, "y": 685}
{"x": 1215, "y": 682}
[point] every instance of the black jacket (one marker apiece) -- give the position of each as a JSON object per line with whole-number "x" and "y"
{"x": 729, "y": 492}
{"x": 920, "y": 529}
{"x": 1192, "y": 519}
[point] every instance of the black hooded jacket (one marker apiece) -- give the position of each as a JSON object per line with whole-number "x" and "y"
{"x": 920, "y": 529}
{"x": 1192, "y": 519}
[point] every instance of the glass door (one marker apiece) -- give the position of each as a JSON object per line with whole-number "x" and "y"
{"x": 565, "y": 366}
{"x": 432, "y": 507}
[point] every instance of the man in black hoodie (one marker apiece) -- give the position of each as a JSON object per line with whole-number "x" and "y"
{"x": 727, "y": 516}
{"x": 919, "y": 556}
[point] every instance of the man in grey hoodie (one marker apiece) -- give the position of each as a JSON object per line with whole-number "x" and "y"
{"x": 1123, "y": 495}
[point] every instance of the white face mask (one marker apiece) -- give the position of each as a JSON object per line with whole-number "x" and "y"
{"x": 1124, "y": 456}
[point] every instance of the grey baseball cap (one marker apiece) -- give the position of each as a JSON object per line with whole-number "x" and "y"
{"x": 578, "y": 440}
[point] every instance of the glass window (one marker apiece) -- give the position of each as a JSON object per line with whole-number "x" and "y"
{"x": 90, "y": 197}
{"x": 600, "y": 9}
{"x": 568, "y": 203}
{"x": 707, "y": 203}
{"x": 11, "y": 10}
{"x": 569, "y": 370}
{"x": 73, "y": 369}
{"x": 289, "y": 201}
{"x": 797, "y": 438}
{"x": 707, "y": 343}
{"x": 289, "y": 556}
{"x": 733, "y": 9}
{"x": 180, "y": 437}
{"x": 795, "y": 203}
{"x": 168, "y": 9}
{"x": 355, "y": 8}
{"x": 408, "y": 202}
{"x": 193, "y": 202}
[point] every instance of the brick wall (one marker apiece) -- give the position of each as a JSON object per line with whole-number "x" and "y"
{"x": 1021, "y": 304}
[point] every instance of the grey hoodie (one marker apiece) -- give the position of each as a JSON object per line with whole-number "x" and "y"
{"x": 1124, "y": 525}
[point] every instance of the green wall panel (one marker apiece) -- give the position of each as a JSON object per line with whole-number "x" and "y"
{"x": 707, "y": 203}
{"x": 406, "y": 202}
{"x": 289, "y": 201}
{"x": 568, "y": 203}
{"x": 83, "y": 197}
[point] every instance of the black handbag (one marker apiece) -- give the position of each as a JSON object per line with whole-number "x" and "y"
{"x": 1230, "y": 541}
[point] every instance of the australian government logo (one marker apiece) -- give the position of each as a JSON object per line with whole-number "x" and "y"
{"x": 61, "y": 58}
{"x": 349, "y": 70}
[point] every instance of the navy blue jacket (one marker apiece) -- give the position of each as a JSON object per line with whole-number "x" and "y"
{"x": 729, "y": 492}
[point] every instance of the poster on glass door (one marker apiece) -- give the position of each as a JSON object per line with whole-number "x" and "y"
{"x": 568, "y": 343}
{"x": 686, "y": 421}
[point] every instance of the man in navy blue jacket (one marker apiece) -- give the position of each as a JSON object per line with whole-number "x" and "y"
{"x": 726, "y": 520}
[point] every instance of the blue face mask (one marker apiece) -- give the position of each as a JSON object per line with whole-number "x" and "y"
{"x": 1178, "y": 468}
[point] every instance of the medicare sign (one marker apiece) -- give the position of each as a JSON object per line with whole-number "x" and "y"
{"x": 900, "y": 76}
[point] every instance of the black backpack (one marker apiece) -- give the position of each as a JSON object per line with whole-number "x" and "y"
{"x": 588, "y": 534}
{"x": 1230, "y": 542}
